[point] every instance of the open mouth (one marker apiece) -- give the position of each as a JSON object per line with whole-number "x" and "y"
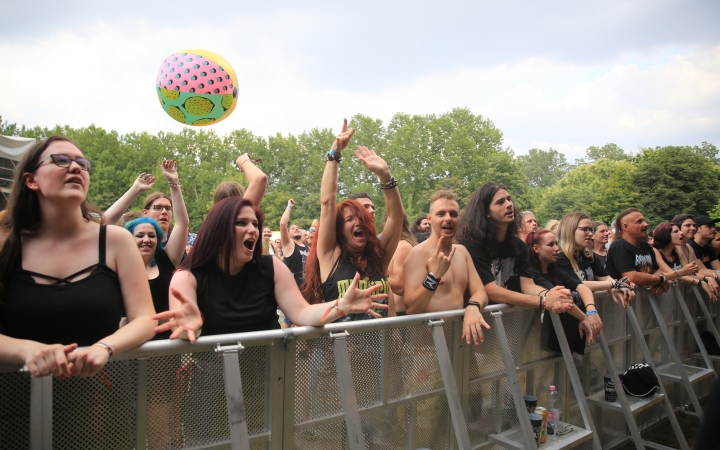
{"x": 447, "y": 228}
{"x": 249, "y": 244}
{"x": 358, "y": 234}
{"x": 74, "y": 180}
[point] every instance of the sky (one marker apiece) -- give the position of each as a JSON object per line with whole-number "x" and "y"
{"x": 555, "y": 74}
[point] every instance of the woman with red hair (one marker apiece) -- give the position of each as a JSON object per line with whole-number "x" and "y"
{"x": 346, "y": 242}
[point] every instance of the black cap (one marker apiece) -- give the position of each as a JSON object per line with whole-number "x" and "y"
{"x": 640, "y": 380}
{"x": 704, "y": 220}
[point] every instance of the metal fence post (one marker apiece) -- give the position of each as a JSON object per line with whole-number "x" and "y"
{"x": 356, "y": 441}
{"x": 141, "y": 408}
{"x": 41, "y": 413}
{"x": 239, "y": 438}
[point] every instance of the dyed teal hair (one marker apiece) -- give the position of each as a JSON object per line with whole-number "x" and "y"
{"x": 130, "y": 226}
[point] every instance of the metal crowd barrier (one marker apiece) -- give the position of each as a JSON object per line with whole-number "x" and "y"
{"x": 398, "y": 383}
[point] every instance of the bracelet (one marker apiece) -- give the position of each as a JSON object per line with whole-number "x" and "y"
{"x": 662, "y": 280}
{"x": 543, "y": 292}
{"x": 175, "y": 185}
{"x": 332, "y": 155}
{"x": 589, "y": 304}
{"x": 475, "y": 304}
{"x": 591, "y": 313}
{"x": 676, "y": 274}
{"x": 542, "y": 301}
{"x": 290, "y": 205}
{"x": 334, "y": 306}
{"x": 392, "y": 183}
{"x": 431, "y": 282}
{"x": 105, "y": 346}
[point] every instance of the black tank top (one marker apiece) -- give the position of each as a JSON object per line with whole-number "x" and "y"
{"x": 237, "y": 303}
{"x": 675, "y": 263}
{"x": 339, "y": 281}
{"x": 160, "y": 286}
{"x": 65, "y": 312}
{"x": 296, "y": 263}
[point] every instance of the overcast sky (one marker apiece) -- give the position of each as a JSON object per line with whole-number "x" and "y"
{"x": 560, "y": 74}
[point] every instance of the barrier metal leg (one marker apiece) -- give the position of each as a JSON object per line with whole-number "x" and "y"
{"x": 239, "y": 438}
{"x": 513, "y": 381}
{"x": 450, "y": 382}
{"x": 41, "y": 414}
{"x": 693, "y": 328}
{"x": 648, "y": 359}
{"x": 142, "y": 404}
{"x": 709, "y": 319}
{"x": 356, "y": 441}
{"x": 676, "y": 356}
{"x": 575, "y": 381}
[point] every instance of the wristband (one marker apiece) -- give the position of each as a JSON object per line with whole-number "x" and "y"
{"x": 431, "y": 282}
{"x": 332, "y": 155}
{"x": 290, "y": 205}
{"x": 475, "y": 304}
{"x": 174, "y": 185}
{"x": 334, "y": 306}
{"x": 392, "y": 183}
{"x": 662, "y": 280}
{"x": 591, "y": 313}
{"x": 105, "y": 346}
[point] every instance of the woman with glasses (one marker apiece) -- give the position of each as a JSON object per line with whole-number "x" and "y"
{"x": 575, "y": 232}
{"x": 601, "y": 236}
{"x": 65, "y": 280}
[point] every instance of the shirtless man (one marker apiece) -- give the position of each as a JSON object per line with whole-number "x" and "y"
{"x": 426, "y": 265}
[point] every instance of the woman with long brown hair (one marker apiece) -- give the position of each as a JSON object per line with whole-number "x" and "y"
{"x": 346, "y": 242}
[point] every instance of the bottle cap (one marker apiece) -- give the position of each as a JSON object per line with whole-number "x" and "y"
{"x": 552, "y": 388}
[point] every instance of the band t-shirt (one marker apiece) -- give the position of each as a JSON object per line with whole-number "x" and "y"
{"x": 588, "y": 268}
{"x": 705, "y": 254}
{"x": 625, "y": 257}
{"x": 601, "y": 258}
{"x": 502, "y": 262}
{"x": 296, "y": 263}
{"x": 675, "y": 263}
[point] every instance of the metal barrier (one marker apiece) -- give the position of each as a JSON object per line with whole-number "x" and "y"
{"x": 404, "y": 382}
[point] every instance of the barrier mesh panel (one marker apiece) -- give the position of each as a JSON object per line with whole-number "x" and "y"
{"x": 534, "y": 343}
{"x": 484, "y": 409}
{"x": 485, "y": 358}
{"x": 387, "y": 429}
{"x": 614, "y": 319}
{"x": 643, "y": 312}
{"x": 15, "y": 410}
{"x": 317, "y": 393}
{"x": 419, "y": 364}
{"x": 365, "y": 350}
{"x": 88, "y": 415}
{"x": 433, "y": 423}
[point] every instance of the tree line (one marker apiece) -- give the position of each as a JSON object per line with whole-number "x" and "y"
{"x": 457, "y": 150}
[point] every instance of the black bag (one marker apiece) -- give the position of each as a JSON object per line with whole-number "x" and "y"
{"x": 710, "y": 343}
{"x": 640, "y": 381}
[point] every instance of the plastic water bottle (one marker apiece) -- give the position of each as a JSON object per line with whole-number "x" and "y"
{"x": 554, "y": 413}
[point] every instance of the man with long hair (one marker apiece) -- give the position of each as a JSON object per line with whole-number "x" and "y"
{"x": 489, "y": 231}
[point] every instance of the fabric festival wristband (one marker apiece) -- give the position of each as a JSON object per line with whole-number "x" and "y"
{"x": 591, "y": 313}
{"x": 431, "y": 282}
{"x": 334, "y": 306}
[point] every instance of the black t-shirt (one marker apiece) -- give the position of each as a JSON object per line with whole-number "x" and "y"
{"x": 237, "y": 303}
{"x": 160, "y": 286}
{"x": 601, "y": 258}
{"x": 503, "y": 262}
{"x": 339, "y": 280}
{"x": 570, "y": 324}
{"x": 675, "y": 263}
{"x": 625, "y": 257}
{"x": 296, "y": 263}
{"x": 588, "y": 268}
{"x": 705, "y": 254}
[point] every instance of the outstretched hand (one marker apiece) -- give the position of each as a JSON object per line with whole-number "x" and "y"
{"x": 472, "y": 325}
{"x": 187, "y": 318}
{"x": 343, "y": 138}
{"x": 144, "y": 182}
{"x": 169, "y": 170}
{"x": 361, "y": 300}
{"x": 438, "y": 263}
{"x": 372, "y": 161}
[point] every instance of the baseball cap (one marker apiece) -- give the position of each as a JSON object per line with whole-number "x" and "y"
{"x": 704, "y": 220}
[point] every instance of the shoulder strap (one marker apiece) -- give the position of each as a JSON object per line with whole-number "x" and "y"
{"x": 101, "y": 246}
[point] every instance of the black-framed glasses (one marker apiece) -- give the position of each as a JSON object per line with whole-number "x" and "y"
{"x": 586, "y": 230}
{"x": 65, "y": 161}
{"x": 167, "y": 208}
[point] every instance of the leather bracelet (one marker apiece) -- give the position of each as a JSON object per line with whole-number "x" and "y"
{"x": 662, "y": 280}
{"x": 475, "y": 304}
{"x": 392, "y": 183}
{"x": 431, "y": 282}
{"x": 105, "y": 346}
{"x": 332, "y": 155}
{"x": 589, "y": 304}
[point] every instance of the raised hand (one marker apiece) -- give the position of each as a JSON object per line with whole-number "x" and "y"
{"x": 52, "y": 359}
{"x": 291, "y": 203}
{"x": 558, "y": 300}
{"x": 144, "y": 182}
{"x": 187, "y": 318}
{"x": 372, "y": 161}
{"x": 343, "y": 138}
{"x": 169, "y": 171}
{"x": 361, "y": 300}
{"x": 438, "y": 263}
{"x": 472, "y": 325}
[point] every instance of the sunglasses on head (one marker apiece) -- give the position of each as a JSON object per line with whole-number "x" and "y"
{"x": 65, "y": 161}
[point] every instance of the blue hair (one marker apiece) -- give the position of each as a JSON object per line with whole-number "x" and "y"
{"x": 130, "y": 226}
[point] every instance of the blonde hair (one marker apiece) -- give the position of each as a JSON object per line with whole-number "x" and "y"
{"x": 566, "y": 237}
{"x": 228, "y": 189}
{"x": 552, "y": 225}
{"x": 443, "y": 194}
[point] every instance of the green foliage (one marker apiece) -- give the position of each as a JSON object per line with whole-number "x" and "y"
{"x": 674, "y": 180}
{"x": 544, "y": 167}
{"x": 607, "y": 151}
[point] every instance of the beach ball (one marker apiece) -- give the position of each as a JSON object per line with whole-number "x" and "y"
{"x": 197, "y": 87}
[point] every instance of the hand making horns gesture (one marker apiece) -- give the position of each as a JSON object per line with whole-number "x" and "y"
{"x": 438, "y": 263}
{"x": 343, "y": 138}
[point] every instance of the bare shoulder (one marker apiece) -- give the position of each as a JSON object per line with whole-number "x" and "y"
{"x": 117, "y": 235}
{"x": 423, "y": 249}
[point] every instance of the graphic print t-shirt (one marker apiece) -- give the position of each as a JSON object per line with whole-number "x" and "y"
{"x": 503, "y": 262}
{"x": 340, "y": 279}
{"x": 706, "y": 254}
{"x": 625, "y": 257}
{"x": 588, "y": 269}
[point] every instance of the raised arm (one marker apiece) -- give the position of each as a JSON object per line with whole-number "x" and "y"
{"x": 143, "y": 182}
{"x": 175, "y": 247}
{"x": 257, "y": 181}
{"x": 326, "y": 242}
{"x": 395, "y": 210}
{"x": 287, "y": 243}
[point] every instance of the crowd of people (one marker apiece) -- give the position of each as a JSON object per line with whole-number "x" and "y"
{"x": 73, "y": 291}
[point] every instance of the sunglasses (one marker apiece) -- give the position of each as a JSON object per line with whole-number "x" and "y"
{"x": 65, "y": 161}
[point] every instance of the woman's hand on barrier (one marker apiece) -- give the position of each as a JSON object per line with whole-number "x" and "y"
{"x": 559, "y": 300}
{"x": 358, "y": 301}
{"x": 169, "y": 171}
{"x": 586, "y": 330}
{"x": 373, "y": 162}
{"x": 595, "y": 324}
{"x": 55, "y": 360}
{"x": 622, "y": 296}
{"x": 438, "y": 263}
{"x": 186, "y": 319}
{"x": 660, "y": 289}
{"x": 343, "y": 138}
{"x": 713, "y": 285}
{"x": 709, "y": 291}
{"x": 688, "y": 270}
{"x": 144, "y": 182}
{"x": 472, "y": 325}
{"x": 89, "y": 361}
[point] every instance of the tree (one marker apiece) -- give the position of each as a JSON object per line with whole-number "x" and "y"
{"x": 607, "y": 151}
{"x": 673, "y": 180}
{"x": 544, "y": 167}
